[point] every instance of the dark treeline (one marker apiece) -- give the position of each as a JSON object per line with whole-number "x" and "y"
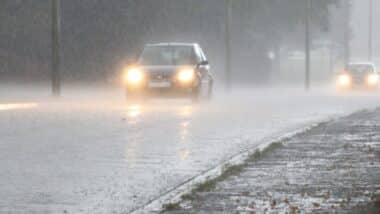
{"x": 100, "y": 36}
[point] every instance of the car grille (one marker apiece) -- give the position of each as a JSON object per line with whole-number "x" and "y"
{"x": 358, "y": 78}
{"x": 160, "y": 76}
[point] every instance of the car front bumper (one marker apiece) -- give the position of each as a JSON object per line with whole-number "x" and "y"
{"x": 163, "y": 88}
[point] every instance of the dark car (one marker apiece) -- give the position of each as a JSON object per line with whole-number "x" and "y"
{"x": 174, "y": 69}
{"x": 358, "y": 75}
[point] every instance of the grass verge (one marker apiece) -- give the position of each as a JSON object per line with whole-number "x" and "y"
{"x": 171, "y": 207}
{"x": 227, "y": 171}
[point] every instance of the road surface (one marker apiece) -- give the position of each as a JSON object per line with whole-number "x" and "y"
{"x": 90, "y": 152}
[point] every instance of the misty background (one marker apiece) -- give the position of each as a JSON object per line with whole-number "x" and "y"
{"x": 100, "y": 37}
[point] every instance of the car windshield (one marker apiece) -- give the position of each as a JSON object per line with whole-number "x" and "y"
{"x": 360, "y": 68}
{"x": 168, "y": 55}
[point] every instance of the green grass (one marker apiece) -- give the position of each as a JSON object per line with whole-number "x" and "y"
{"x": 188, "y": 197}
{"x": 228, "y": 171}
{"x": 171, "y": 207}
{"x": 260, "y": 154}
{"x": 271, "y": 148}
{"x": 255, "y": 156}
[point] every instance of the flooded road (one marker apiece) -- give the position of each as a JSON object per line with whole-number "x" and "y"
{"x": 91, "y": 152}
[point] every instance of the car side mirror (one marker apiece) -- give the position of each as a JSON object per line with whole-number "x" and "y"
{"x": 205, "y": 62}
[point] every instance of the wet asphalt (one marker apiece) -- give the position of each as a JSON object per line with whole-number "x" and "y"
{"x": 91, "y": 152}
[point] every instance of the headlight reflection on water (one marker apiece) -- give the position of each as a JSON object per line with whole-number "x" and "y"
{"x": 186, "y": 110}
{"x": 14, "y": 106}
{"x": 134, "y": 113}
{"x": 184, "y": 153}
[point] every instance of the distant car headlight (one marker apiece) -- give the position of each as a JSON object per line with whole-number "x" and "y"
{"x": 372, "y": 79}
{"x": 344, "y": 80}
{"x": 134, "y": 76}
{"x": 186, "y": 75}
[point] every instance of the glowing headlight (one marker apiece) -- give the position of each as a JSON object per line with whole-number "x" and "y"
{"x": 344, "y": 80}
{"x": 134, "y": 76}
{"x": 372, "y": 79}
{"x": 186, "y": 75}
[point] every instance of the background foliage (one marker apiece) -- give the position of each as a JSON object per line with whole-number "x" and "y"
{"x": 99, "y": 36}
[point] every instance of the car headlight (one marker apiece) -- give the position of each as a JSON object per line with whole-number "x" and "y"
{"x": 373, "y": 79}
{"x": 134, "y": 76}
{"x": 344, "y": 80}
{"x": 186, "y": 75}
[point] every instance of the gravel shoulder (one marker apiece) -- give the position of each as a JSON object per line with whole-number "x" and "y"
{"x": 334, "y": 167}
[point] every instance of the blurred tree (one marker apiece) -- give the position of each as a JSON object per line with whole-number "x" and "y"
{"x": 99, "y": 35}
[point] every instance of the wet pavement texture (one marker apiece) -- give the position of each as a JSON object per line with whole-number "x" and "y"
{"x": 333, "y": 168}
{"x": 91, "y": 152}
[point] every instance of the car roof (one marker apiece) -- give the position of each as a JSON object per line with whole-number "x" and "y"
{"x": 362, "y": 63}
{"x": 365, "y": 64}
{"x": 172, "y": 44}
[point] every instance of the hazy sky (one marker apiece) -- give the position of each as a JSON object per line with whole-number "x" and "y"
{"x": 359, "y": 23}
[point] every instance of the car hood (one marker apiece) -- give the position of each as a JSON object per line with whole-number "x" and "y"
{"x": 162, "y": 69}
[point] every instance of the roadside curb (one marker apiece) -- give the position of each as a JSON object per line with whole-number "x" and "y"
{"x": 174, "y": 195}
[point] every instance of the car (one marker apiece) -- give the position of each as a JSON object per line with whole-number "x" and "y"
{"x": 359, "y": 74}
{"x": 179, "y": 69}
